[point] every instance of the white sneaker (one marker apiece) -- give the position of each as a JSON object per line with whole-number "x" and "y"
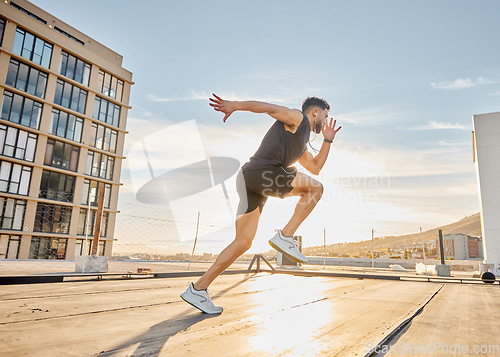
{"x": 200, "y": 300}
{"x": 286, "y": 245}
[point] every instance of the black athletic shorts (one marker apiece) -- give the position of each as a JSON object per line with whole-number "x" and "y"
{"x": 255, "y": 186}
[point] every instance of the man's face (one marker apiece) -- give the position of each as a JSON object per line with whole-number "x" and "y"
{"x": 320, "y": 119}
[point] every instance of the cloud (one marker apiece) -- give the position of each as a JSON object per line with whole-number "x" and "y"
{"x": 203, "y": 95}
{"x": 191, "y": 96}
{"x": 369, "y": 116}
{"x": 434, "y": 125}
{"x": 453, "y": 143}
{"x": 461, "y": 83}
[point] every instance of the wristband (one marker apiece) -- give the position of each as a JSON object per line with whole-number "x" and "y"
{"x": 328, "y": 141}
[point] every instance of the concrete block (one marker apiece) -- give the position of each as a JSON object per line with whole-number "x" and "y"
{"x": 91, "y": 264}
{"x": 443, "y": 270}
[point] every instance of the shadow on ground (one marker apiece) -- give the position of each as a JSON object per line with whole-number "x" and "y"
{"x": 152, "y": 341}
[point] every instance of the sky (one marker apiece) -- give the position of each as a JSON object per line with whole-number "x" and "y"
{"x": 403, "y": 78}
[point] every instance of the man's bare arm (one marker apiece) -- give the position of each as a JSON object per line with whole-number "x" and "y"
{"x": 290, "y": 117}
{"x": 314, "y": 164}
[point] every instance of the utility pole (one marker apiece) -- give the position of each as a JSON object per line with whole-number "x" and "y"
{"x": 97, "y": 228}
{"x": 423, "y": 244}
{"x": 195, "y": 239}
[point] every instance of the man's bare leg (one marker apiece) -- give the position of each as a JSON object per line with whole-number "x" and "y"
{"x": 310, "y": 191}
{"x": 246, "y": 227}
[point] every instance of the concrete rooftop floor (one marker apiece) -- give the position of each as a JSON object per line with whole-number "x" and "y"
{"x": 264, "y": 315}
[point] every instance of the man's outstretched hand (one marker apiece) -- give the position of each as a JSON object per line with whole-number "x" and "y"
{"x": 221, "y": 105}
{"x": 329, "y": 130}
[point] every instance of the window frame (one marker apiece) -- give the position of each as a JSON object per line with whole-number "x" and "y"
{"x": 53, "y": 148}
{"x": 16, "y": 148}
{"x": 9, "y": 183}
{"x": 55, "y": 120}
{"x": 44, "y": 61}
{"x": 15, "y": 204}
{"x": 14, "y": 102}
{"x": 65, "y": 96}
{"x": 85, "y": 76}
{"x": 45, "y": 211}
{"x": 30, "y": 72}
{"x": 60, "y": 194}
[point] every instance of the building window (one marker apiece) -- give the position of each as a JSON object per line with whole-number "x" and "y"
{"x": 32, "y": 48}
{"x": 14, "y": 178}
{"x": 100, "y": 165}
{"x": 70, "y": 96}
{"x": 74, "y": 68}
{"x": 27, "y": 78}
{"x": 17, "y": 143}
{"x": 103, "y": 138}
{"x": 21, "y": 110}
{"x": 22, "y": 9}
{"x": 110, "y": 85}
{"x": 61, "y": 155}
{"x": 56, "y": 186}
{"x": 69, "y": 35}
{"x": 106, "y": 111}
{"x": 2, "y": 27}
{"x": 91, "y": 191}
{"x": 48, "y": 248}
{"x": 80, "y": 247}
{"x": 66, "y": 125}
{"x": 85, "y": 227}
{"x": 12, "y": 213}
{"x": 9, "y": 246}
{"x": 52, "y": 218}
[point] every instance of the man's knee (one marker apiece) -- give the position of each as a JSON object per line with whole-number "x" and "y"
{"x": 319, "y": 189}
{"x": 316, "y": 189}
{"x": 244, "y": 241}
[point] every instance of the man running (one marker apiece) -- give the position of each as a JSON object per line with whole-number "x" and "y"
{"x": 269, "y": 172}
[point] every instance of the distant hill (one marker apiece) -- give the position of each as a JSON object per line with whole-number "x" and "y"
{"x": 470, "y": 225}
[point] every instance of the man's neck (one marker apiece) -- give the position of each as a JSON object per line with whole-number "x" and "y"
{"x": 311, "y": 121}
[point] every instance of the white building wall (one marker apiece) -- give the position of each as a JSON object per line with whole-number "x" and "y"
{"x": 487, "y": 154}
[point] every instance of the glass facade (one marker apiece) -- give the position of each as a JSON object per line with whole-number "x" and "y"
{"x": 80, "y": 247}
{"x": 32, "y": 48}
{"x": 40, "y": 151}
{"x": 2, "y": 27}
{"x": 110, "y": 85}
{"x": 52, "y": 218}
{"x": 48, "y": 248}
{"x": 84, "y": 228}
{"x": 61, "y": 155}
{"x": 26, "y": 78}
{"x": 106, "y": 111}
{"x": 12, "y": 213}
{"x": 91, "y": 191}
{"x": 66, "y": 125}
{"x": 17, "y": 143}
{"x": 57, "y": 186}
{"x": 21, "y": 110}
{"x": 75, "y": 68}
{"x": 14, "y": 178}
{"x": 70, "y": 96}
{"x": 103, "y": 138}
{"x": 99, "y": 165}
{"x": 9, "y": 246}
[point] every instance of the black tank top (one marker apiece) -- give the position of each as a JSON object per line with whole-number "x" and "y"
{"x": 280, "y": 147}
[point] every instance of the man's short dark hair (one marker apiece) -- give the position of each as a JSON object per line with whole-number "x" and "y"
{"x": 311, "y": 102}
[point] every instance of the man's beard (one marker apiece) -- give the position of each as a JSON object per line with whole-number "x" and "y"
{"x": 318, "y": 127}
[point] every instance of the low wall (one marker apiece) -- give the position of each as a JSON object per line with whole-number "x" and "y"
{"x": 457, "y": 265}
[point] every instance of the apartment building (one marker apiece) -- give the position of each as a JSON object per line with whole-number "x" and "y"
{"x": 64, "y": 103}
